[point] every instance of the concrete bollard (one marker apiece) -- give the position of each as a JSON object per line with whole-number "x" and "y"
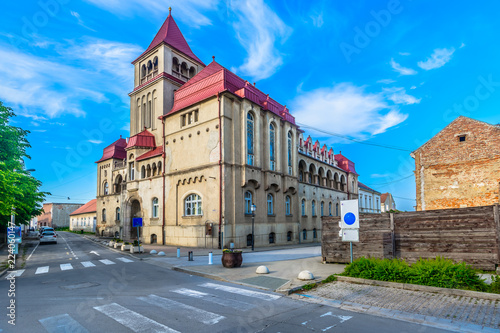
{"x": 153, "y": 252}
{"x": 262, "y": 270}
{"x": 190, "y": 256}
{"x": 305, "y": 275}
{"x": 178, "y": 252}
{"x": 210, "y": 258}
{"x": 161, "y": 253}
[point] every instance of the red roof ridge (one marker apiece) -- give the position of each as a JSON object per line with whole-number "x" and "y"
{"x": 152, "y": 153}
{"x": 170, "y": 34}
{"x": 89, "y": 207}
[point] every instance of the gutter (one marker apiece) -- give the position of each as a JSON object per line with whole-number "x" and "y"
{"x": 163, "y": 175}
{"x": 221, "y": 227}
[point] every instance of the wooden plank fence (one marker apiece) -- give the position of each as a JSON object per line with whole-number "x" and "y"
{"x": 463, "y": 234}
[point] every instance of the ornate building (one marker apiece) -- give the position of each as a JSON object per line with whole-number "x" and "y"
{"x": 205, "y": 146}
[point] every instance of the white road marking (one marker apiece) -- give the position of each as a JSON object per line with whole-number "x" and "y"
{"x": 42, "y": 270}
{"x": 208, "y": 318}
{"x": 14, "y": 274}
{"x": 94, "y": 252}
{"x": 132, "y": 320}
{"x": 232, "y": 303}
{"x": 342, "y": 318}
{"x": 65, "y": 267}
{"x": 125, "y": 259}
{"x": 61, "y": 324}
{"x": 107, "y": 262}
{"x": 87, "y": 264}
{"x": 326, "y": 329}
{"x": 32, "y": 252}
{"x": 239, "y": 291}
{"x": 69, "y": 247}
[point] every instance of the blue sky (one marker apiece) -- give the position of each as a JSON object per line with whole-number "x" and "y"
{"x": 389, "y": 73}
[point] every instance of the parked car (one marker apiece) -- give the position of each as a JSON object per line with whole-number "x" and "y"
{"x": 48, "y": 237}
{"x": 43, "y": 229}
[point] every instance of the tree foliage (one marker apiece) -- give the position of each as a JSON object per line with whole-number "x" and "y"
{"x": 19, "y": 190}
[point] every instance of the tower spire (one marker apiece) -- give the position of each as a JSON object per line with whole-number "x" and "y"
{"x": 169, "y": 10}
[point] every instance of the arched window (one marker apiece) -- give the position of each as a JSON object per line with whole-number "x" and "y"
{"x": 154, "y": 169}
{"x": 150, "y": 66}
{"x": 104, "y": 214}
{"x": 154, "y": 239}
{"x": 192, "y": 205}
{"x": 118, "y": 213}
{"x": 330, "y": 209}
{"x": 143, "y": 172}
{"x": 250, "y": 133}
{"x": 289, "y": 236}
{"x": 272, "y": 147}
{"x": 155, "y": 207}
{"x": 315, "y": 233}
{"x": 148, "y": 170}
{"x": 248, "y": 202}
{"x": 270, "y": 204}
{"x": 249, "y": 240}
{"x": 272, "y": 238}
{"x": 313, "y": 208}
{"x": 288, "y": 203}
{"x": 304, "y": 234}
{"x": 192, "y": 72}
{"x": 184, "y": 69}
{"x": 303, "y": 207}
{"x": 143, "y": 71}
{"x": 289, "y": 153}
{"x": 322, "y": 208}
{"x": 106, "y": 188}
{"x": 175, "y": 65}
{"x": 155, "y": 64}
{"x": 159, "y": 168}
{"x": 336, "y": 209}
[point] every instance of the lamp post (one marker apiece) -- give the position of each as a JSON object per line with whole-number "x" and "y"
{"x": 253, "y": 208}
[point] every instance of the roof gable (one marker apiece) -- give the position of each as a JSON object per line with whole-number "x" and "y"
{"x": 89, "y": 207}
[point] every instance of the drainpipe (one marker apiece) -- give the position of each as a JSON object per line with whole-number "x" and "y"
{"x": 221, "y": 226}
{"x": 163, "y": 175}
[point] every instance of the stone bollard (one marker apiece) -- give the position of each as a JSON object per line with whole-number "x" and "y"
{"x": 262, "y": 270}
{"x": 153, "y": 252}
{"x": 161, "y": 253}
{"x": 305, "y": 275}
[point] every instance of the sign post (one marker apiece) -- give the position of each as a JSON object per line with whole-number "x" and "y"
{"x": 349, "y": 224}
{"x": 137, "y": 222}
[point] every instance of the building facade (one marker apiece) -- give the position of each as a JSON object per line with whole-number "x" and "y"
{"x": 459, "y": 166}
{"x": 205, "y": 146}
{"x": 56, "y": 215}
{"x": 84, "y": 218}
{"x": 369, "y": 200}
{"x": 387, "y": 202}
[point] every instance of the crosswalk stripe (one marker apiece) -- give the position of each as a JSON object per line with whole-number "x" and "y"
{"x": 62, "y": 324}
{"x": 232, "y": 303}
{"x": 208, "y": 318}
{"x": 14, "y": 274}
{"x": 132, "y": 320}
{"x": 66, "y": 267}
{"x": 87, "y": 264}
{"x": 107, "y": 262}
{"x": 239, "y": 291}
{"x": 42, "y": 270}
{"x": 125, "y": 259}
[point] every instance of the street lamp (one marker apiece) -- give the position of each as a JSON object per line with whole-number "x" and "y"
{"x": 253, "y": 209}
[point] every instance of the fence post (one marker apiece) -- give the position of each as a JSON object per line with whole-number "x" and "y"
{"x": 497, "y": 226}
{"x": 393, "y": 236}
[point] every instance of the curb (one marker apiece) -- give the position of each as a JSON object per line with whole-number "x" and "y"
{"x": 197, "y": 273}
{"x": 416, "y": 287}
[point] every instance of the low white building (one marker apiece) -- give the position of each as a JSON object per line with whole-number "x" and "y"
{"x": 84, "y": 218}
{"x": 387, "y": 202}
{"x": 369, "y": 200}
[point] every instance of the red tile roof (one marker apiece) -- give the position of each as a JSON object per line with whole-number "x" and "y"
{"x": 158, "y": 151}
{"x": 215, "y": 79}
{"x": 89, "y": 207}
{"x": 115, "y": 150}
{"x": 361, "y": 185}
{"x": 344, "y": 163}
{"x": 170, "y": 34}
{"x": 143, "y": 139}
{"x": 383, "y": 197}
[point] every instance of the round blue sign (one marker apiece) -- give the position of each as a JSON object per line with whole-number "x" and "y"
{"x": 349, "y": 218}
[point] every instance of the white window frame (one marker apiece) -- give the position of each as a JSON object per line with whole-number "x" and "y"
{"x": 193, "y": 205}
{"x": 270, "y": 204}
{"x": 155, "y": 207}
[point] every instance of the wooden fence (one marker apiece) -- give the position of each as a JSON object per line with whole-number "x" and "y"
{"x": 471, "y": 235}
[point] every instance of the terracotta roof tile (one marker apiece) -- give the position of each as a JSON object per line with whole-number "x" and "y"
{"x": 158, "y": 151}
{"x": 115, "y": 150}
{"x": 142, "y": 139}
{"x": 344, "y": 163}
{"x": 383, "y": 197}
{"x": 89, "y": 207}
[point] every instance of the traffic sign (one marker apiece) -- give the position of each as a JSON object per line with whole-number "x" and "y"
{"x": 137, "y": 222}
{"x": 350, "y": 235}
{"x": 350, "y": 214}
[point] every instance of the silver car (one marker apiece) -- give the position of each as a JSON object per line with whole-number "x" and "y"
{"x": 48, "y": 237}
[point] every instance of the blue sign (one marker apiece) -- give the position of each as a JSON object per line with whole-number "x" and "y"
{"x": 137, "y": 222}
{"x": 349, "y": 218}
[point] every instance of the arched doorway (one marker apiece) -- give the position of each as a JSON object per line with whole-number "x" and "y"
{"x": 135, "y": 212}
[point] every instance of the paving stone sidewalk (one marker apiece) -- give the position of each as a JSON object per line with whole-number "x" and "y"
{"x": 469, "y": 313}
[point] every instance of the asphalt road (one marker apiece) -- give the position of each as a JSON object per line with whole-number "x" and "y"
{"x": 76, "y": 286}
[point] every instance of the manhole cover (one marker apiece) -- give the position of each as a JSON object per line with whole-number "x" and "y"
{"x": 268, "y": 282}
{"x": 80, "y": 285}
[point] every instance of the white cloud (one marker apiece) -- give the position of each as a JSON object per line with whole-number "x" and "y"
{"x": 80, "y": 21}
{"x": 462, "y": 45}
{"x": 258, "y": 29}
{"x": 189, "y": 12}
{"x": 437, "y": 59}
{"x": 404, "y": 53}
{"x": 97, "y": 142}
{"x": 386, "y": 81}
{"x": 317, "y": 20}
{"x": 402, "y": 70}
{"x": 346, "y": 109}
{"x": 41, "y": 88}
{"x": 399, "y": 96}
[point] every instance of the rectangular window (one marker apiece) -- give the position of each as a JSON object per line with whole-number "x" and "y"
{"x": 461, "y": 138}
{"x": 250, "y": 159}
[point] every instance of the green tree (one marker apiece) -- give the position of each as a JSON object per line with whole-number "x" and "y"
{"x": 18, "y": 188}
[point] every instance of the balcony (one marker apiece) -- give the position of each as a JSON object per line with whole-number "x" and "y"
{"x": 132, "y": 186}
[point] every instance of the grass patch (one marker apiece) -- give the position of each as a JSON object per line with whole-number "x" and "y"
{"x": 439, "y": 272}
{"x": 310, "y": 286}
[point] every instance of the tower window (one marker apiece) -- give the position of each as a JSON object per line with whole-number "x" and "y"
{"x": 462, "y": 138}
